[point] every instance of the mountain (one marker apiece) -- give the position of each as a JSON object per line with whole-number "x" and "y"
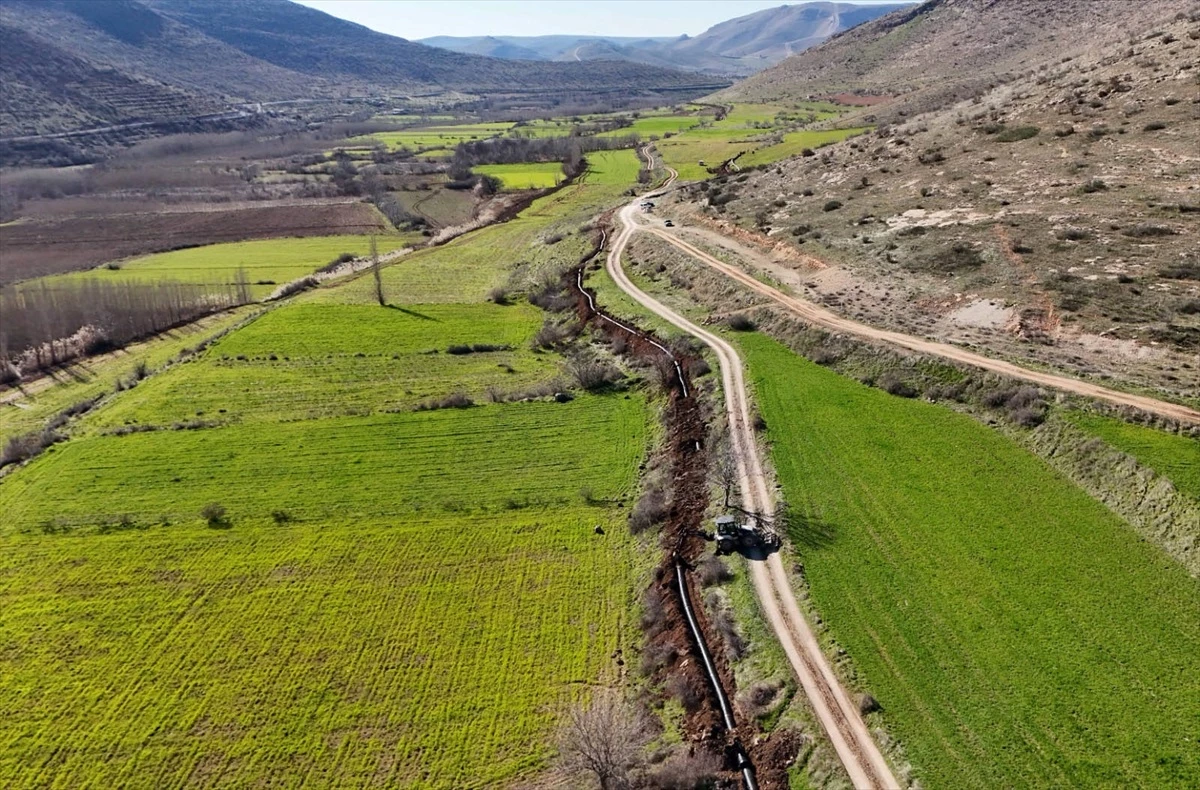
{"x": 1049, "y": 215}
{"x": 943, "y": 49}
{"x": 736, "y": 47}
{"x": 70, "y": 64}
{"x": 529, "y": 47}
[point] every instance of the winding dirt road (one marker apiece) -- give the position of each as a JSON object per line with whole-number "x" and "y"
{"x": 838, "y": 715}
{"x": 819, "y": 316}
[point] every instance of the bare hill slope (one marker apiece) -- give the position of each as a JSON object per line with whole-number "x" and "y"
{"x": 944, "y": 49}
{"x": 1054, "y": 218}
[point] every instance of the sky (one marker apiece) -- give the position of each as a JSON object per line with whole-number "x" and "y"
{"x": 414, "y": 19}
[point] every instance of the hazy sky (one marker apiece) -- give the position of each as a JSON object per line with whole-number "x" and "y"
{"x": 423, "y": 18}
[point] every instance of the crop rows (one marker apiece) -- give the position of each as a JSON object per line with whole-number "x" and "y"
{"x": 1014, "y": 631}
{"x": 269, "y": 262}
{"x": 421, "y": 653}
{"x": 496, "y": 457}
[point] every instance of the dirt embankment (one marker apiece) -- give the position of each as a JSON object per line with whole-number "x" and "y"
{"x": 670, "y": 653}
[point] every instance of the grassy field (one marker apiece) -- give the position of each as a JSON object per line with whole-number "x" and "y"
{"x": 1173, "y": 456}
{"x": 267, "y": 262}
{"x": 434, "y": 136}
{"x": 612, "y": 168}
{"x": 795, "y": 142}
{"x": 655, "y": 126}
{"x": 372, "y": 609}
{"x": 1014, "y": 631}
{"x": 322, "y": 360}
{"x": 540, "y": 175}
{"x": 417, "y": 624}
{"x": 28, "y": 409}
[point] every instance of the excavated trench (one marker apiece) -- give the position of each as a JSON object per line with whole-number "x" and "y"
{"x": 688, "y": 649}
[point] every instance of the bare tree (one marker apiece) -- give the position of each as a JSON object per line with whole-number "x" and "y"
{"x": 375, "y": 272}
{"x": 605, "y": 739}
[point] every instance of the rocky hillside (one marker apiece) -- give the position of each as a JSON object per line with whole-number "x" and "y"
{"x": 75, "y": 63}
{"x": 947, "y": 49}
{"x": 1053, "y": 218}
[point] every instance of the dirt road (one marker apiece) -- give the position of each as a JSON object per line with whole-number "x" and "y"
{"x": 819, "y": 316}
{"x": 837, "y": 713}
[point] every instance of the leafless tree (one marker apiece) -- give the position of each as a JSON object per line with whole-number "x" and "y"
{"x": 606, "y": 739}
{"x": 376, "y": 273}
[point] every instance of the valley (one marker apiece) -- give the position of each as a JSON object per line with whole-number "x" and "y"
{"x": 379, "y": 437}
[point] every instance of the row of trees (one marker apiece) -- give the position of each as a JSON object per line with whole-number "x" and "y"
{"x": 48, "y": 325}
{"x": 514, "y": 150}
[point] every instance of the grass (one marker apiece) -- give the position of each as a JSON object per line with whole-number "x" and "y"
{"x": 540, "y": 175}
{"x": 363, "y": 360}
{"x": 40, "y": 400}
{"x": 434, "y": 136}
{"x": 612, "y": 168}
{"x": 394, "y": 597}
{"x": 419, "y": 624}
{"x": 1015, "y": 632}
{"x": 795, "y": 142}
{"x": 269, "y": 261}
{"x": 1173, "y": 456}
{"x": 655, "y": 126}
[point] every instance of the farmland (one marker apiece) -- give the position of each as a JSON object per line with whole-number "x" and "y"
{"x": 1173, "y": 456}
{"x": 51, "y": 245}
{"x": 244, "y": 630}
{"x": 974, "y": 589}
{"x": 364, "y": 360}
{"x": 266, "y": 263}
{"x": 540, "y": 175}
{"x": 228, "y": 640}
{"x": 795, "y": 142}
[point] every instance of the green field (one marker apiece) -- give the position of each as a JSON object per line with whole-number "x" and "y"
{"x": 540, "y": 175}
{"x": 321, "y": 360}
{"x": 612, "y": 168}
{"x": 417, "y": 625}
{"x": 396, "y": 598}
{"x": 28, "y": 409}
{"x": 795, "y": 142}
{"x": 433, "y": 136}
{"x": 1014, "y": 631}
{"x": 655, "y": 126}
{"x": 1173, "y": 456}
{"x": 267, "y": 263}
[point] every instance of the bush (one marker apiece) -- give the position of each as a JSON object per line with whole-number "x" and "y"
{"x": 893, "y": 385}
{"x": 1146, "y": 231}
{"x": 831, "y": 205}
{"x": 713, "y": 570}
{"x": 214, "y": 514}
{"x": 1074, "y": 234}
{"x": 651, "y": 510}
{"x": 687, "y": 772}
{"x": 593, "y": 374}
{"x": 296, "y": 286}
{"x": 740, "y": 322}
{"x": 455, "y": 400}
{"x": 1095, "y": 185}
{"x": 29, "y": 445}
{"x": 1017, "y": 133}
{"x": 498, "y": 296}
{"x": 1154, "y": 126}
{"x": 550, "y": 335}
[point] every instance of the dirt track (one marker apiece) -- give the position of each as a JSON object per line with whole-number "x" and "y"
{"x": 819, "y": 316}
{"x": 838, "y": 715}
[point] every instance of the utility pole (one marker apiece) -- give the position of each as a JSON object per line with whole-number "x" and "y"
{"x": 375, "y": 272}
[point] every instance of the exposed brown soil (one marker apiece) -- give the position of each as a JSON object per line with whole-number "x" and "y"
{"x": 34, "y": 248}
{"x": 687, "y": 441}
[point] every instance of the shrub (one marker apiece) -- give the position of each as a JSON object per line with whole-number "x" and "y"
{"x": 593, "y": 374}
{"x": 296, "y": 286}
{"x": 651, "y": 510}
{"x": 713, "y": 570}
{"x": 1095, "y": 185}
{"x": 1154, "y": 126}
{"x": 458, "y": 350}
{"x": 498, "y": 296}
{"x": 893, "y": 385}
{"x": 686, "y": 693}
{"x": 740, "y": 322}
{"x": 1146, "y": 231}
{"x": 550, "y": 335}
{"x": 1074, "y": 234}
{"x": 683, "y": 771}
{"x": 281, "y": 516}
{"x": 1017, "y": 133}
{"x": 455, "y": 400}
{"x": 831, "y": 205}
{"x": 26, "y": 446}
{"x": 214, "y": 514}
